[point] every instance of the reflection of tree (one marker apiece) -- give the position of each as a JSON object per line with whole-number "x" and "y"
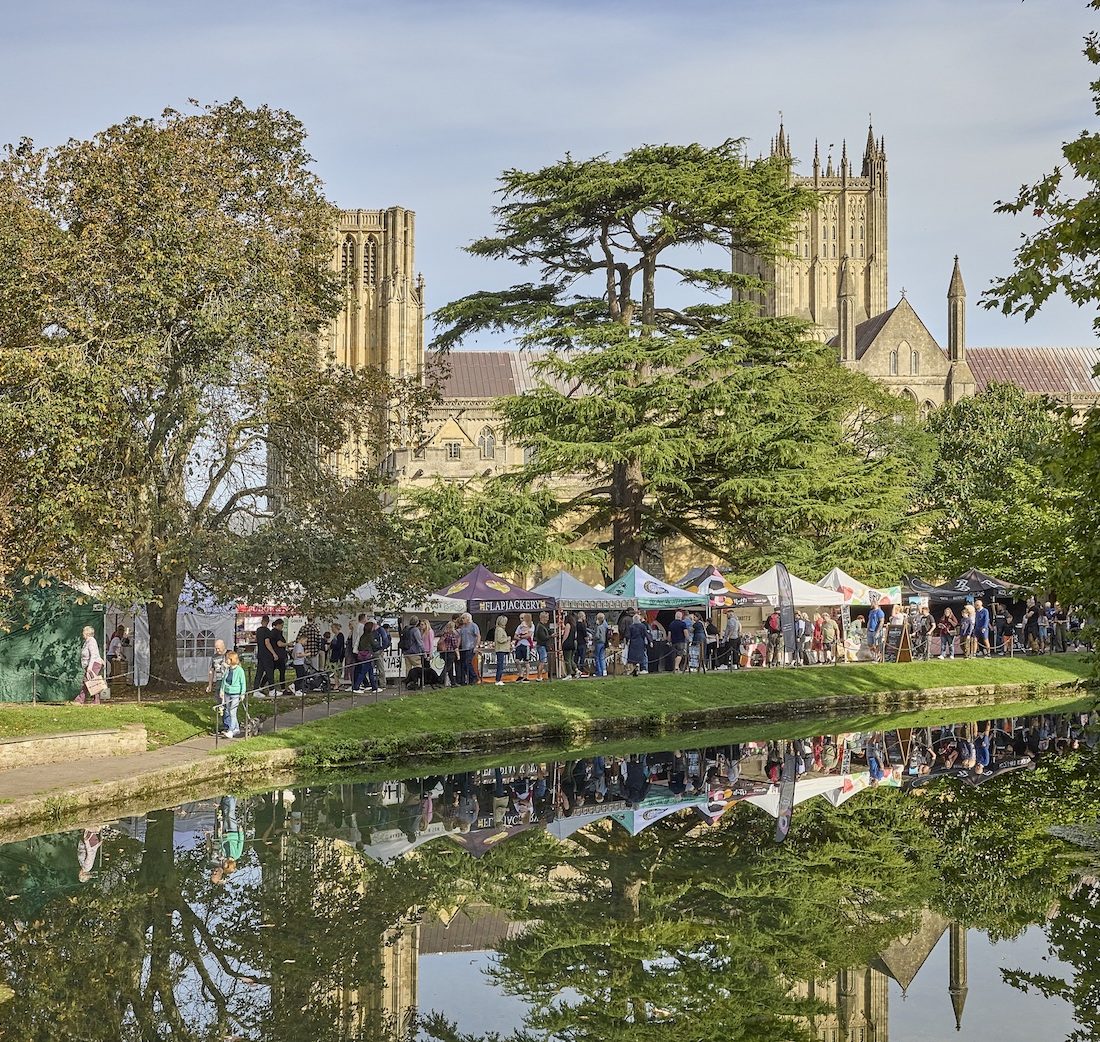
{"x": 1074, "y": 938}
{"x": 650, "y": 934}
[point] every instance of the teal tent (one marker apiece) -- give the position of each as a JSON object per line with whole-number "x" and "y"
{"x": 40, "y": 648}
{"x": 651, "y": 593}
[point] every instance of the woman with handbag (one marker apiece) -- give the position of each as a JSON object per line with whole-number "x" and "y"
{"x": 92, "y": 664}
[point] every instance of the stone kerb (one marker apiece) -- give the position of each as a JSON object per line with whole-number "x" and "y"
{"x": 39, "y": 749}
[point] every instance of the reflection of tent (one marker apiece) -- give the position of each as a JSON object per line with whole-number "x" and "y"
{"x": 804, "y": 593}
{"x": 634, "y": 819}
{"x": 483, "y": 840}
{"x": 369, "y": 594}
{"x": 653, "y": 593}
{"x": 856, "y": 592}
{"x": 485, "y": 591}
{"x": 836, "y": 788}
{"x": 570, "y": 592}
{"x": 388, "y": 844}
{"x": 967, "y": 586}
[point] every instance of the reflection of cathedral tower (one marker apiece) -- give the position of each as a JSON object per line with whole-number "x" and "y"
{"x": 957, "y": 987}
{"x": 382, "y": 322}
{"x": 860, "y": 1002}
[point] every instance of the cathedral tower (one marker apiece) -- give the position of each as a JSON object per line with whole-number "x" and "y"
{"x": 850, "y": 221}
{"x": 382, "y": 321}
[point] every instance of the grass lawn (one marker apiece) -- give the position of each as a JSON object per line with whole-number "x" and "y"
{"x": 166, "y": 722}
{"x": 440, "y": 715}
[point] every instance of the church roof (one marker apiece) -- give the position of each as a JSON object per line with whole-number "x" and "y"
{"x": 905, "y": 956}
{"x": 1038, "y": 370}
{"x": 867, "y": 331}
{"x": 482, "y": 374}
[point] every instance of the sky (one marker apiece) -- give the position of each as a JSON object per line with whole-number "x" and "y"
{"x": 421, "y": 103}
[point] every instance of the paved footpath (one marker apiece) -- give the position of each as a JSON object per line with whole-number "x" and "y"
{"x": 22, "y": 782}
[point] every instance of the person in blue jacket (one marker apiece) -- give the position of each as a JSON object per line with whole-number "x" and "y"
{"x": 981, "y": 628}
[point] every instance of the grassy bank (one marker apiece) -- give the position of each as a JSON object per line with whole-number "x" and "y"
{"x": 430, "y": 720}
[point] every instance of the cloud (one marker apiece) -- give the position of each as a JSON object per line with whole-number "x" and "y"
{"x": 422, "y": 103}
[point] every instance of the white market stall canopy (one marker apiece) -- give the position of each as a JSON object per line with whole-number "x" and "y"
{"x": 570, "y": 592}
{"x": 859, "y": 593}
{"x": 369, "y": 594}
{"x": 651, "y": 592}
{"x": 805, "y": 594}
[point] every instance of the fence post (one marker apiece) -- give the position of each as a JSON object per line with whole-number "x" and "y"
{"x": 275, "y": 717}
{"x": 34, "y": 685}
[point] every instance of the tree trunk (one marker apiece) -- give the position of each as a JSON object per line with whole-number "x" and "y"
{"x": 627, "y": 540}
{"x": 163, "y": 663}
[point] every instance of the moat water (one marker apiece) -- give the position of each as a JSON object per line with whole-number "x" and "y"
{"x": 884, "y": 885}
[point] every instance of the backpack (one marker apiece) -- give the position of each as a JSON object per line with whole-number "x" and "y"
{"x": 406, "y": 642}
{"x": 385, "y": 641}
{"x": 773, "y": 624}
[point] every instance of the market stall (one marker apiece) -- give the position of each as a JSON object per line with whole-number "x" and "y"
{"x": 485, "y": 593}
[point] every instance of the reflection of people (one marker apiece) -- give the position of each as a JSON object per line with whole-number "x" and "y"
{"x": 87, "y": 850}
{"x": 230, "y": 839}
{"x": 91, "y": 662}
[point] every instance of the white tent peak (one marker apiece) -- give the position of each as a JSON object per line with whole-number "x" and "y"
{"x": 805, "y": 593}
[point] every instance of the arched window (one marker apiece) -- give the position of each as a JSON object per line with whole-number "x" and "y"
{"x": 914, "y": 363}
{"x": 893, "y": 363}
{"x": 926, "y": 408}
{"x": 861, "y": 231}
{"x": 370, "y": 259}
{"x": 834, "y": 233}
{"x": 347, "y": 257}
{"x": 851, "y": 231}
{"x": 487, "y": 443}
{"x": 909, "y": 396}
{"x": 529, "y": 454}
{"x": 861, "y": 249}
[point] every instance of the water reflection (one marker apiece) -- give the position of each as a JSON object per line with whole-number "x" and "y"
{"x": 623, "y": 896}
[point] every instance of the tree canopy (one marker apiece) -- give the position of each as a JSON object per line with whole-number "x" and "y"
{"x": 162, "y": 305}
{"x": 667, "y": 405}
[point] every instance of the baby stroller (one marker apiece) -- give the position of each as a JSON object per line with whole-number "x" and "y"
{"x": 422, "y": 676}
{"x": 313, "y": 681}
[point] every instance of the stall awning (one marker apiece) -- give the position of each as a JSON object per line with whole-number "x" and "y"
{"x": 856, "y": 592}
{"x": 805, "y": 594}
{"x": 970, "y": 584}
{"x": 652, "y": 593}
{"x": 485, "y": 591}
{"x": 570, "y": 592}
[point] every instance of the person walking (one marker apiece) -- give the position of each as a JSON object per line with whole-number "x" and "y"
{"x": 830, "y": 635}
{"x": 981, "y": 628}
{"x": 427, "y": 642}
{"x": 309, "y": 636}
{"x": 568, "y": 644}
{"x": 411, "y": 645}
{"x": 948, "y": 629}
{"x": 580, "y": 635}
{"x": 678, "y": 637}
{"x": 599, "y": 644}
{"x": 542, "y": 645}
{"x": 817, "y": 645}
{"x": 876, "y": 627}
{"x": 967, "y": 644}
{"x": 502, "y": 645}
{"x": 524, "y": 640}
{"x": 699, "y": 642}
{"x": 731, "y": 637}
{"x": 773, "y": 625}
{"x": 116, "y": 655}
{"x": 92, "y": 666}
{"x": 337, "y": 652}
{"x": 279, "y": 649}
{"x": 637, "y": 637}
{"x": 469, "y": 637}
{"x": 367, "y": 654}
{"x": 215, "y": 674}
{"x": 448, "y": 649}
{"x": 233, "y": 686}
{"x": 265, "y": 656}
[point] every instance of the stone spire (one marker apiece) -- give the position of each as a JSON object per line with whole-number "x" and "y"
{"x": 846, "y": 312}
{"x": 869, "y": 152}
{"x": 844, "y": 159}
{"x": 829, "y": 172}
{"x": 817, "y": 160}
{"x": 781, "y": 145}
{"x": 956, "y": 316}
{"x": 957, "y": 986}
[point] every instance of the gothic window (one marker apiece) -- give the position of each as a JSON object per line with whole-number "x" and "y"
{"x": 893, "y": 363}
{"x": 851, "y": 231}
{"x": 454, "y": 450}
{"x": 347, "y": 257}
{"x": 487, "y": 443}
{"x": 861, "y": 249}
{"x": 807, "y": 250}
{"x": 861, "y": 231}
{"x": 370, "y": 261}
{"x": 926, "y": 409}
{"x": 914, "y": 363}
{"x": 834, "y": 233}
{"x": 834, "y": 250}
